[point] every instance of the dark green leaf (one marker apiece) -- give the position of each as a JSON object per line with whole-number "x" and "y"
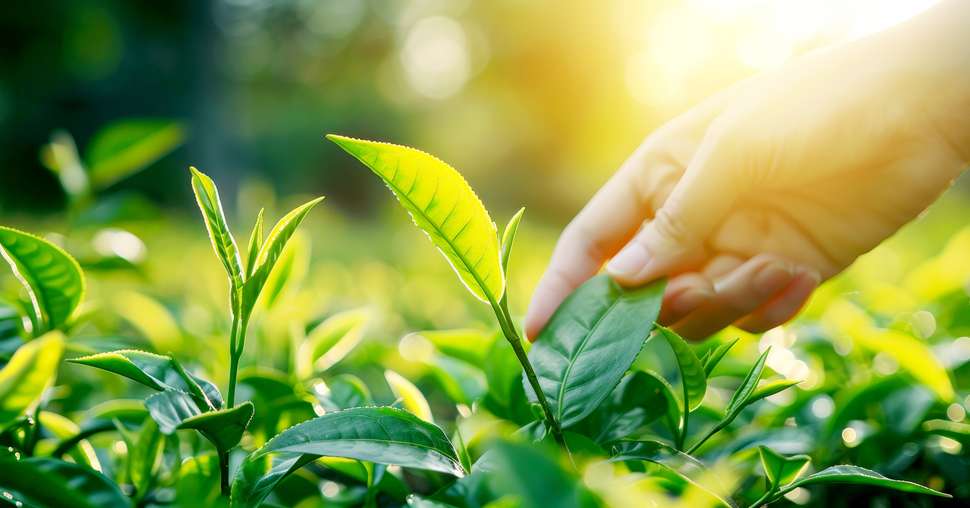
{"x": 638, "y": 400}
{"x": 376, "y": 434}
{"x": 779, "y": 469}
{"x": 176, "y": 411}
{"x": 535, "y": 478}
{"x": 51, "y": 277}
{"x": 128, "y": 146}
{"x": 144, "y": 454}
{"x": 344, "y": 392}
{"x": 860, "y": 476}
{"x": 154, "y": 371}
{"x": 42, "y": 482}
{"x": 590, "y": 341}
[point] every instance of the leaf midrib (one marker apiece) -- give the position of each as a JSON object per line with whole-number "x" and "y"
{"x": 572, "y": 358}
{"x": 478, "y": 280}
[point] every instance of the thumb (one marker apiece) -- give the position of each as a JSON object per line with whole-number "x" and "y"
{"x": 674, "y": 239}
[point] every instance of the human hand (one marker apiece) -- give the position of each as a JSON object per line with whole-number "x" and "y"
{"x": 749, "y": 200}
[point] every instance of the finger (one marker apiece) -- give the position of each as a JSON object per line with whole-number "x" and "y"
{"x": 738, "y": 294}
{"x": 783, "y": 307}
{"x": 683, "y": 295}
{"x": 673, "y": 240}
{"x": 604, "y": 225}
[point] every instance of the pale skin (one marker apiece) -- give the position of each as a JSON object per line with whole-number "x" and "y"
{"x": 751, "y": 199}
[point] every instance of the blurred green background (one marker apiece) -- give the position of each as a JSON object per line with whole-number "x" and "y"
{"x": 537, "y": 102}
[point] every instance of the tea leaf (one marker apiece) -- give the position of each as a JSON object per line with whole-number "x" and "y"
{"x": 329, "y": 342}
{"x": 590, "y": 341}
{"x": 51, "y": 277}
{"x": 638, "y": 400}
{"x": 377, "y": 434}
{"x": 442, "y": 204}
{"x": 50, "y": 483}
{"x": 692, "y": 374}
{"x": 748, "y": 385}
{"x": 344, "y": 392}
{"x": 207, "y": 196}
{"x": 508, "y": 239}
{"x": 176, "y": 411}
{"x": 63, "y": 428}
{"x": 860, "y": 476}
{"x": 270, "y": 252}
{"x": 536, "y": 478}
{"x": 679, "y": 463}
{"x": 255, "y": 240}
{"x": 30, "y": 371}
{"x": 154, "y": 371}
{"x": 715, "y": 357}
{"x": 144, "y": 451}
{"x": 411, "y": 397}
{"x": 128, "y": 146}
{"x": 779, "y": 469}
{"x": 770, "y": 388}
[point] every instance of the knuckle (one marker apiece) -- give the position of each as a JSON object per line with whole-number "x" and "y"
{"x": 669, "y": 226}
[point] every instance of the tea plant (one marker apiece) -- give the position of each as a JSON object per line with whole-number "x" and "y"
{"x": 606, "y": 408}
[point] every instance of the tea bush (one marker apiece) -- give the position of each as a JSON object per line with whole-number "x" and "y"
{"x": 133, "y": 380}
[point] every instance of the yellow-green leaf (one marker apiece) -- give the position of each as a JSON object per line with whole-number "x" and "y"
{"x": 411, "y": 397}
{"x": 207, "y": 196}
{"x": 128, "y": 146}
{"x": 30, "y": 371}
{"x": 329, "y": 342}
{"x": 442, "y": 204}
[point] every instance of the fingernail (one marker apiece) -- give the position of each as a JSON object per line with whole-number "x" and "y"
{"x": 629, "y": 262}
{"x": 773, "y": 277}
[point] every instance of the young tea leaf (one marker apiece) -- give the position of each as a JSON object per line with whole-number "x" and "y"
{"x": 748, "y": 385}
{"x": 343, "y": 392}
{"x": 255, "y": 240}
{"x": 30, "y": 371}
{"x": 589, "y": 342}
{"x": 770, "y": 388}
{"x": 44, "y": 482}
{"x": 377, "y": 434}
{"x": 508, "y": 239}
{"x": 410, "y": 396}
{"x": 693, "y": 378}
{"x": 158, "y": 372}
{"x": 442, "y": 204}
{"x": 270, "y": 252}
{"x": 779, "y": 469}
{"x": 715, "y": 357}
{"x": 207, "y": 196}
{"x": 329, "y": 342}
{"x": 52, "y": 278}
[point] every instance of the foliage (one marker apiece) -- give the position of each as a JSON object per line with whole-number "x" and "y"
{"x": 606, "y": 408}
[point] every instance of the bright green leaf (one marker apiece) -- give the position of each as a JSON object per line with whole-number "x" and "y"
{"x": 442, "y": 204}
{"x": 176, "y": 411}
{"x": 770, "y": 388}
{"x": 207, "y": 196}
{"x": 343, "y": 392}
{"x": 747, "y": 387}
{"x": 715, "y": 357}
{"x": 51, "y": 277}
{"x": 508, "y": 239}
{"x": 590, "y": 341}
{"x": 678, "y": 463}
{"x": 30, "y": 371}
{"x": 128, "y": 146}
{"x": 692, "y": 375}
{"x": 255, "y": 240}
{"x": 271, "y": 250}
{"x": 329, "y": 342}
{"x": 410, "y": 396}
{"x": 63, "y": 428}
{"x": 779, "y": 469}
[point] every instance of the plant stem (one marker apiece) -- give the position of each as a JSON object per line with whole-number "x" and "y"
{"x": 714, "y": 430}
{"x": 233, "y": 361}
{"x": 763, "y": 499}
{"x": 224, "y": 472}
{"x": 512, "y": 335}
